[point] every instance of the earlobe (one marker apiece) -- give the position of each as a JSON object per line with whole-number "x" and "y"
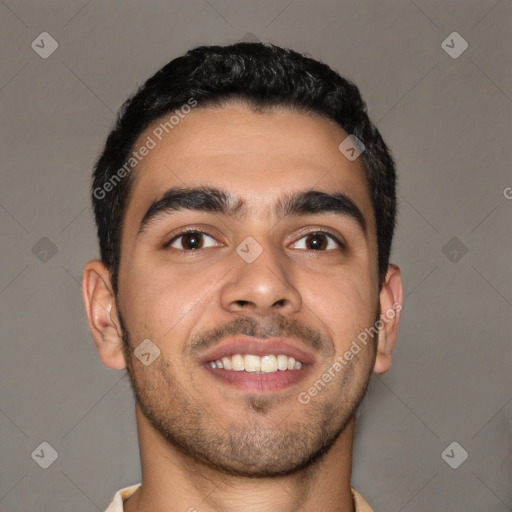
{"x": 101, "y": 312}
{"x": 391, "y": 301}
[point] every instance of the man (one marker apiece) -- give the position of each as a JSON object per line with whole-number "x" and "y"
{"x": 245, "y": 208}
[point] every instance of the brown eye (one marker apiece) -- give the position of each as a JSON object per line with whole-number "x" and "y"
{"x": 317, "y": 241}
{"x": 192, "y": 240}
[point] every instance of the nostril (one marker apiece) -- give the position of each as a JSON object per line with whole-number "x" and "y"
{"x": 242, "y": 302}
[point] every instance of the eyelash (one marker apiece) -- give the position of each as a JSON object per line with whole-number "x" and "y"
{"x": 322, "y": 231}
{"x": 325, "y": 232}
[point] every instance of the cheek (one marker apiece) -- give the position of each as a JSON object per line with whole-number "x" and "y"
{"x": 161, "y": 302}
{"x": 345, "y": 303}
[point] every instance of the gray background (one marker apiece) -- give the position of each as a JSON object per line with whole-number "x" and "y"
{"x": 448, "y": 122}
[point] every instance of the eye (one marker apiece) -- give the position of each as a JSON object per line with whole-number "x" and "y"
{"x": 317, "y": 241}
{"x": 192, "y": 240}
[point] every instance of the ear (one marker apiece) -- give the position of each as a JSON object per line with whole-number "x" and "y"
{"x": 391, "y": 300}
{"x": 101, "y": 312}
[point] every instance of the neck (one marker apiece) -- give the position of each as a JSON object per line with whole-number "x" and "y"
{"x": 172, "y": 481}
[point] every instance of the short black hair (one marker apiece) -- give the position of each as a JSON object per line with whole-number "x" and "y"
{"x": 263, "y": 76}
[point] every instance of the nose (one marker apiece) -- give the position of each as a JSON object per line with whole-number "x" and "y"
{"x": 261, "y": 287}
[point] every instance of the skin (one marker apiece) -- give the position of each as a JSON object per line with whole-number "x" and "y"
{"x": 203, "y": 444}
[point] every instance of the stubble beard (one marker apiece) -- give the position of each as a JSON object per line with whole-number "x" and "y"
{"x": 252, "y": 447}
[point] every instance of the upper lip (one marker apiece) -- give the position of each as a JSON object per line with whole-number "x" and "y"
{"x": 257, "y": 347}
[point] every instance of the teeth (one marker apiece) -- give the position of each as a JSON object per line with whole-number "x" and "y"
{"x": 282, "y": 362}
{"x": 250, "y": 363}
{"x": 226, "y": 363}
{"x": 269, "y": 364}
{"x": 237, "y": 362}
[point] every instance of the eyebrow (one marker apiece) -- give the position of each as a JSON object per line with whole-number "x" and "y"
{"x": 214, "y": 200}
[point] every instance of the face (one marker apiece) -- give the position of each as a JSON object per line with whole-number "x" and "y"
{"x": 249, "y": 240}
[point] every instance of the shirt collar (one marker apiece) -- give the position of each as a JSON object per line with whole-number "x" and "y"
{"x": 123, "y": 494}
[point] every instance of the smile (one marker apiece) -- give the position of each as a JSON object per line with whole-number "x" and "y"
{"x": 260, "y": 364}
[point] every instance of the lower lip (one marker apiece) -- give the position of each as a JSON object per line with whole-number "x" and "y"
{"x": 259, "y": 382}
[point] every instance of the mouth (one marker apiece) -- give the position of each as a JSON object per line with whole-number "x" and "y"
{"x": 258, "y": 365}
{"x": 250, "y": 363}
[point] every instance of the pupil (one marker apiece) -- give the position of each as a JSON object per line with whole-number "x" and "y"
{"x": 192, "y": 241}
{"x": 316, "y": 241}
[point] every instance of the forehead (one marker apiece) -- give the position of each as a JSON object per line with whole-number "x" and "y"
{"x": 255, "y": 156}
